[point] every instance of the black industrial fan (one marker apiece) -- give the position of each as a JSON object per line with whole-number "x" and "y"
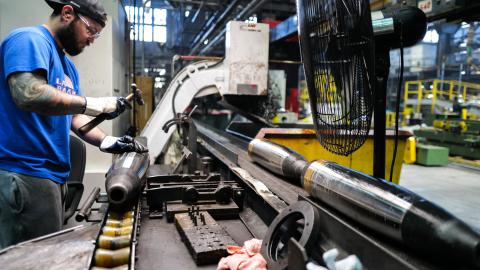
{"x": 336, "y": 40}
{"x": 346, "y": 62}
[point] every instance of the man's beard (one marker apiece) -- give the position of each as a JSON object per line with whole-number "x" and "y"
{"x": 67, "y": 38}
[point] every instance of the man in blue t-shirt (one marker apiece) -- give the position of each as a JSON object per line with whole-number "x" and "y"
{"x": 40, "y": 102}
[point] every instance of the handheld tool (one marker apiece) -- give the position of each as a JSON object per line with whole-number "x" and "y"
{"x": 136, "y": 94}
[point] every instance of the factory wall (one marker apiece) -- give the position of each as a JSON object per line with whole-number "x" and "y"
{"x": 102, "y": 66}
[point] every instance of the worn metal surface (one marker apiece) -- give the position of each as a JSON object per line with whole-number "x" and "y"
{"x": 374, "y": 251}
{"x": 160, "y": 245}
{"x": 219, "y": 211}
{"x": 199, "y": 78}
{"x": 277, "y": 158}
{"x": 300, "y": 221}
{"x": 69, "y": 249}
{"x": 229, "y": 144}
{"x": 204, "y": 238}
{"x": 190, "y": 188}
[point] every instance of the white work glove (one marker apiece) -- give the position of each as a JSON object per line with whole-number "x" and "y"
{"x": 111, "y": 106}
{"x": 119, "y": 145}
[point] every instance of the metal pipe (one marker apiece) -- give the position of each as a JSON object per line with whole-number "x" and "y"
{"x": 227, "y": 12}
{"x": 143, "y": 35}
{"x": 288, "y": 62}
{"x": 247, "y": 11}
{"x": 86, "y": 208}
{"x": 195, "y": 2}
{"x": 204, "y": 27}
{"x": 277, "y": 158}
{"x": 125, "y": 178}
{"x": 196, "y": 13}
{"x": 177, "y": 57}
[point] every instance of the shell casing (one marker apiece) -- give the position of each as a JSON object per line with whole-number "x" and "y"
{"x": 121, "y": 216}
{"x": 112, "y": 258}
{"x": 119, "y": 223}
{"x": 121, "y": 267}
{"x": 114, "y": 242}
{"x": 117, "y": 231}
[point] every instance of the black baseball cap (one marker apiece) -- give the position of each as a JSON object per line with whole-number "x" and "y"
{"x": 90, "y": 8}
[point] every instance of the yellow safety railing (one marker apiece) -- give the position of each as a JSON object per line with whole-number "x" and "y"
{"x": 435, "y": 90}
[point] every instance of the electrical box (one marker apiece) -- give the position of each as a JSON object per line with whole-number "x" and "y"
{"x": 246, "y": 58}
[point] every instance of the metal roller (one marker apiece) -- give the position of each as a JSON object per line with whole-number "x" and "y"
{"x": 125, "y": 178}
{"x": 392, "y": 211}
{"x": 277, "y": 158}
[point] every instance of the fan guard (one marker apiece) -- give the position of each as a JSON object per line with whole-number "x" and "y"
{"x": 337, "y": 47}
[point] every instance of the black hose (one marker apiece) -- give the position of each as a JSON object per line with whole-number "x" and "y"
{"x": 397, "y": 105}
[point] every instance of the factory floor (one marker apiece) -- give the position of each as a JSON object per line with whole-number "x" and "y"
{"x": 454, "y": 187}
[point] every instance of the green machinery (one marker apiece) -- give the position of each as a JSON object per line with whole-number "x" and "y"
{"x": 461, "y": 136}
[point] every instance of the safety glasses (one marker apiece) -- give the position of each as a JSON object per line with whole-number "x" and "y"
{"x": 91, "y": 31}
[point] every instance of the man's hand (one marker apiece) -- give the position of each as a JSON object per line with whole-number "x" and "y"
{"x": 119, "y": 145}
{"x": 111, "y": 106}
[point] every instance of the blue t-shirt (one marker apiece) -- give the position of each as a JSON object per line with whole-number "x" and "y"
{"x": 31, "y": 143}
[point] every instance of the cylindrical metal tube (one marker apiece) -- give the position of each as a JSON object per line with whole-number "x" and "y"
{"x": 86, "y": 208}
{"x": 393, "y": 211}
{"x": 112, "y": 258}
{"x": 277, "y": 158}
{"x": 125, "y": 178}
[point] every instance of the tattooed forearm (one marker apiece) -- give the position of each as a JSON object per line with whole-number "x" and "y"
{"x": 32, "y": 93}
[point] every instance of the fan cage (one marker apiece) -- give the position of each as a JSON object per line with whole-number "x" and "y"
{"x": 337, "y": 50}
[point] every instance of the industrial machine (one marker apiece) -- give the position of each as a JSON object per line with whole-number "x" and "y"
{"x": 225, "y": 190}
{"x": 460, "y": 136}
{"x": 241, "y": 75}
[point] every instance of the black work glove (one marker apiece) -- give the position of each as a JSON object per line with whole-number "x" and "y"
{"x": 122, "y": 105}
{"x": 119, "y": 145}
{"x": 111, "y": 107}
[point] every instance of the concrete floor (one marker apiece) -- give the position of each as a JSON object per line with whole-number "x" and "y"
{"x": 452, "y": 187}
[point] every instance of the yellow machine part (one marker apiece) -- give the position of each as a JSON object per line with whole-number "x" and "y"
{"x": 439, "y": 124}
{"x": 390, "y": 119}
{"x": 305, "y": 143}
{"x": 464, "y": 114}
{"x": 463, "y": 126}
{"x": 407, "y": 111}
{"x": 410, "y": 155}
